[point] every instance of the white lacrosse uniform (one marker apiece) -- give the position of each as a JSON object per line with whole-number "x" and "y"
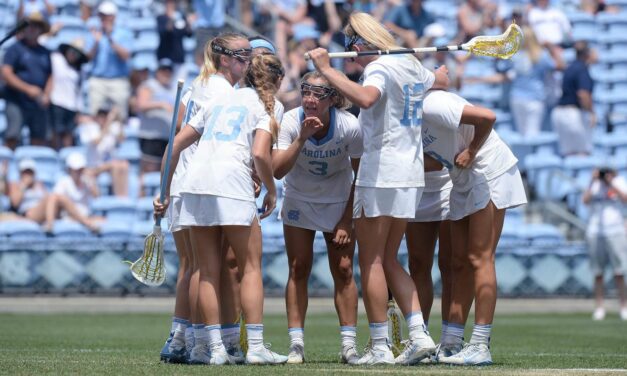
{"x": 434, "y": 203}
{"x": 317, "y": 187}
{"x": 391, "y": 174}
{"x": 493, "y": 175}
{"x": 194, "y": 98}
{"x": 218, "y": 187}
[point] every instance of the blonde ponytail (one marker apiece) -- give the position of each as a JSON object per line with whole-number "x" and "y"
{"x": 264, "y": 75}
{"x": 368, "y": 28}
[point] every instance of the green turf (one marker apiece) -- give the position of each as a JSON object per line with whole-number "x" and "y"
{"x": 129, "y": 344}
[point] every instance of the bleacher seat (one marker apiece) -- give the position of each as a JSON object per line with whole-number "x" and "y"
{"x": 540, "y": 170}
{"x": 5, "y": 203}
{"x": 116, "y": 231}
{"x": 105, "y": 184}
{"x": 151, "y": 182}
{"x": 542, "y": 235}
{"x": 6, "y": 154}
{"x": 119, "y": 209}
{"x": 129, "y": 152}
{"x": 69, "y": 229}
{"x": 145, "y": 208}
{"x": 21, "y": 229}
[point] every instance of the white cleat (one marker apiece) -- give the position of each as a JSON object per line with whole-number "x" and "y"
{"x": 623, "y": 313}
{"x": 473, "y": 354}
{"x": 416, "y": 350}
{"x": 200, "y": 354}
{"x": 598, "y": 314}
{"x": 220, "y": 357}
{"x": 264, "y": 356}
{"x": 236, "y": 353}
{"x": 445, "y": 350}
{"x": 296, "y": 355}
{"x": 349, "y": 355}
{"x": 376, "y": 356}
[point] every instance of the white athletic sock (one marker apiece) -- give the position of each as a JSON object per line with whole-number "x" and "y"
{"x": 230, "y": 334}
{"x": 444, "y": 330}
{"x": 215, "y": 336}
{"x": 201, "y": 336}
{"x": 189, "y": 336}
{"x": 379, "y": 335}
{"x": 349, "y": 336}
{"x": 297, "y": 336}
{"x": 481, "y": 334}
{"x": 179, "y": 326}
{"x": 454, "y": 334}
{"x": 255, "y": 336}
{"x": 415, "y": 324}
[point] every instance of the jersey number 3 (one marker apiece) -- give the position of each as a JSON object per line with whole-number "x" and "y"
{"x": 412, "y": 119}
{"x": 320, "y": 168}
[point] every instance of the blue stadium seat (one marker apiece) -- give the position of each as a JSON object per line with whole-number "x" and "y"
{"x": 5, "y": 203}
{"x": 147, "y": 43}
{"x": 6, "y": 154}
{"x": 541, "y": 168}
{"x": 64, "y": 229}
{"x": 115, "y": 231}
{"x": 143, "y": 228}
{"x": 118, "y": 209}
{"x": 129, "y": 152}
{"x": 151, "y": 182}
{"x": 145, "y": 208}
{"x": 105, "y": 184}
{"x": 542, "y": 235}
{"x": 21, "y": 229}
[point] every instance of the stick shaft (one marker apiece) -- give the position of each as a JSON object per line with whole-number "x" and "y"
{"x": 352, "y": 54}
{"x": 166, "y": 171}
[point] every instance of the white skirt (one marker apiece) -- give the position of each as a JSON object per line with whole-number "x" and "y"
{"x": 505, "y": 191}
{"x": 210, "y": 210}
{"x": 173, "y": 213}
{"x": 433, "y": 206}
{"x": 311, "y": 215}
{"x": 386, "y": 202}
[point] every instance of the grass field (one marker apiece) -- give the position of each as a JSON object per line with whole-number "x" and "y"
{"x": 129, "y": 344}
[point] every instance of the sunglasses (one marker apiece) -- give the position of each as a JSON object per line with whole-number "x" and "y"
{"x": 242, "y": 55}
{"x": 317, "y": 91}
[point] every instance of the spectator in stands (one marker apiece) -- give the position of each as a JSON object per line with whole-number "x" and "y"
{"x": 474, "y": 16}
{"x": 139, "y": 74}
{"x": 305, "y": 39}
{"x": 72, "y": 195}
{"x": 210, "y": 21}
{"x": 607, "y": 196}
{"x": 574, "y": 117}
{"x": 326, "y": 17}
{"x": 102, "y": 134}
{"x": 155, "y": 102}
{"x": 409, "y": 21}
{"x": 594, "y": 7}
{"x": 28, "y": 196}
{"x": 550, "y": 24}
{"x": 172, "y": 27}
{"x": 27, "y": 71}
{"x": 28, "y": 7}
{"x": 109, "y": 50}
{"x": 86, "y": 9}
{"x": 288, "y": 13}
{"x": 66, "y": 91}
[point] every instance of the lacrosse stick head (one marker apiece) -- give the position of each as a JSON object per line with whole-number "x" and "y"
{"x": 502, "y": 46}
{"x": 150, "y": 268}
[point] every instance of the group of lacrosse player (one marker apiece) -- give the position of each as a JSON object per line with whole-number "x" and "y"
{"x": 418, "y": 161}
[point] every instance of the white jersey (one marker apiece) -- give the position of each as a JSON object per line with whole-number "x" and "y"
{"x": 222, "y": 164}
{"x": 195, "y": 98}
{"x": 444, "y": 137}
{"x": 322, "y": 172}
{"x": 392, "y": 127}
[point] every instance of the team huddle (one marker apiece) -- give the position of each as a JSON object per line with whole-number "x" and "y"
{"x": 418, "y": 162}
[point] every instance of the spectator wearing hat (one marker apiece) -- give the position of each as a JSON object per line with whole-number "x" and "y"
{"x": 72, "y": 195}
{"x": 155, "y": 103}
{"x": 101, "y": 135}
{"x": 172, "y": 27}
{"x": 606, "y": 235}
{"x": 574, "y": 118}
{"x": 108, "y": 48}
{"x": 66, "y": 91}
{"x": 28, "y": 196}
{"x": 409, "y": 22}
{"x": 27, "y": 71}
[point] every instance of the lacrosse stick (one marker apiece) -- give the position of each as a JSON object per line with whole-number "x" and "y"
{"x": 502, "y": 46}
{"x": 394, "y": 325}
{"x": 150, "y": 268}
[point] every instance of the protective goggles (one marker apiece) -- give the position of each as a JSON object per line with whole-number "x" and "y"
{"x": 349, "y": 42}
{"x": 317, "y": 91}
{"x": 242, "y": 54}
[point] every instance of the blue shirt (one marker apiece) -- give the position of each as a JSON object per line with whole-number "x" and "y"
{"x": 210, "y": 13}
{"x": 576, "y": 77}
{"x": 529, "y": 80}
{"x": 107, "y": 63}
{"x": 403, "y": 17}
{"x": 31, "y": 65}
